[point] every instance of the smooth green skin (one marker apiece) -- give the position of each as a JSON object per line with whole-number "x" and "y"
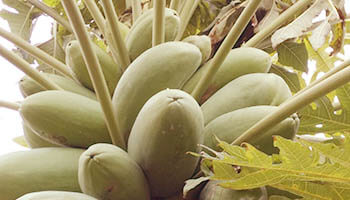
{"x": 245, "y": 91}
{"x": 203, "y": 43}
{"x": 35, "y": 141}
{"x": 231, "y": 125}
{"x": 42, "y": 169}
{"x": 65, "y": 118}
{"x": 74, "y": 59}
{"x": 168, "y": 65}
{"x": 239, "y": 61}
{"x": 169, "y": 125}
{"x": 108, "y": 173}
{"x": 212, "y": 191}
{"x": 139, "y": 38}
{"x": 28, "y": 86}
{"x": 56, "y": 195}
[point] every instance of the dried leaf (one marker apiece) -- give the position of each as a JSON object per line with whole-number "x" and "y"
{"x": 319, "y": 35}
{"x": 300, "y": 25}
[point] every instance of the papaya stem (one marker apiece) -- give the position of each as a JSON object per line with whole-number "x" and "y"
{"x": 289, "y": 107}
{"x": 136, "y": 9}
{"x": 36, "y": 52}
{"x": 117, "y": 41}
{"x": 331, "y": 72}
{"x": 185, "y": 16}
{"x": 52, "y": 13}
{"x": 225, "y": 48}
{"x": 96, "y": 15}
{"x": 174, "y": 4}
{"x": 158, "y": 32}
{"x": 21, "y": 64}
{"x": 278, "y": 22}
{"x": 10, "y": 105}
{"x": 94, "y": 69}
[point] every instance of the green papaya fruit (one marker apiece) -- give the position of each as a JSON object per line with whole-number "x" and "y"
{"x": 65, "y": 118}
{"x": 34, "y": 140}
{"x": 56, "y": 195}
{"x": 139, "y": 38}
{"x": 239, "y": 61}
{"x": 230, "y": 126}
{"x": 168, "y": 65}
{"x": 74, "y": 59}
{"x": 245, "y": 91}
{"x": 168, "y": 126}
{"x": 213, "y": 191}
{"x": 51, "y": 168}
{"x": 108, "y": 173}
{"x": 28, "y": 86}
{"x": 203, "y": 42}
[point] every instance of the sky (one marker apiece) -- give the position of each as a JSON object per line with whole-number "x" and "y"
{"x": 10, "y": 121}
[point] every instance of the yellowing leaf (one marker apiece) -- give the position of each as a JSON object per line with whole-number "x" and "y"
{"x": 298, "y": 164}
{"x": 21, "y": 141}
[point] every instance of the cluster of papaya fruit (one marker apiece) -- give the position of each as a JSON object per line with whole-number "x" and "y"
{"x": 72, "y": 156}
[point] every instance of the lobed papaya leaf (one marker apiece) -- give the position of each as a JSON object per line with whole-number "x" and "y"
{"x": 323, "y": 119}
{"x": 301, "y": 170}
{"x": 293, "y": 54}
{"x": 54, "y": 49}
{"x": 314, "y": 190}
{"x": 336, "y": 153}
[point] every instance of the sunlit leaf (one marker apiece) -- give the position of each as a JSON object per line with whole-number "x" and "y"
{"x": 21, "y": 141}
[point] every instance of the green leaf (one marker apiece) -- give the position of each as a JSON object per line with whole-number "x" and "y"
{"x": 314, "y": 190}
{"x": 298, "y": 164}
{"x": 324, "y": 62}
{"x": 338, "y": 36}
{"x": 293, "y": 54}
{"x": 343, "y": 94}
{"x": 54, "y": 49}
{"x": 290, "y": 77}
{"x": 52, "y": 3}
{"x": 21, "y": 141}
{"x": 323, "y": 119}
{"x": 336, "y": 153}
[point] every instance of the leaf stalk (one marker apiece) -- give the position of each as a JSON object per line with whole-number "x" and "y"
{"x": 278, "y": 22}
{"x": 158, "y": 32}
{"x": 37, "y": 53}
{"x": 21, "y": 64}
{"x": 289, "y": 107}
{"x": 225, "y": 48}
{"x": 10, "y": 105}
{"x": 94, "y": 70}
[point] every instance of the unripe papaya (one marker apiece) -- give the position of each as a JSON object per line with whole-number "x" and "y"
{"x": 28, "y": 86}
{"x": 168, "y": 126}
{"x": 245, "y": 91}
{"x": 203, "y": 43}
{"x": 139, "y": 38}
{"x": 74, "y": 59}
{"x": 213, "y": 191}
{"x": 34, "y": 140}
{"x": 56, "y": 195}
{"x": 51, "y": 168}
{"x": 65, "y": 118}
{"x": 168, "y": 65}
{"x": 108, "y": 173}
{"x": 239, "y": 61}
{"x": 230, "y": 126}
